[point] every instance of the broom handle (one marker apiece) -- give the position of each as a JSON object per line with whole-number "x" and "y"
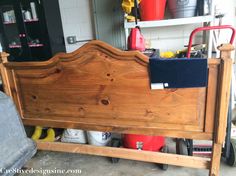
{"x": 136, "y": 11}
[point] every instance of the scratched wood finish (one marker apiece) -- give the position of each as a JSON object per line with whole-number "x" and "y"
{"x": 102, "y": 86}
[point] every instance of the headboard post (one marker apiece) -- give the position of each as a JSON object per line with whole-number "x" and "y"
{"x": 225, "y": 51}
{"x": 4, "y": 73}
{"x": 223, "y": 94}
{"x": 224, "y": 90}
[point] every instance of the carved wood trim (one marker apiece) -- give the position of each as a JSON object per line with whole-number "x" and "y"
{"x": 93, "y": 46}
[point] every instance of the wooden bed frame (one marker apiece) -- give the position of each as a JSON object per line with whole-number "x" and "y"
{"x": 98, "y": 87}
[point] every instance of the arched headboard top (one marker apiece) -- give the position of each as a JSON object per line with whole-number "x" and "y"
{"x": 94, "y": 46}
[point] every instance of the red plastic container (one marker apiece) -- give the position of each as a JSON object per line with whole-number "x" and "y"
{"x": 136, "y": 40}
{"x": 152, "y": 9}
{"x": 143, "y": 142}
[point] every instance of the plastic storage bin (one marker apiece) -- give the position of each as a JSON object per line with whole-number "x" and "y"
{"x": 182, "y": 8}
{"x": 143, "y": 142}
{"x": 98, "y": 138}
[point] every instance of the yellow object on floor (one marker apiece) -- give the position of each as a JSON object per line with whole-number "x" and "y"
{"x": 38, "y": 132}
{"x": 50, "y": 136}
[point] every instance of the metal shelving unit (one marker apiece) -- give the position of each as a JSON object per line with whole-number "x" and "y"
{"x": 34, "y": 37}
{"x": 170, "y": 22}
{"x": 202, "y": 20}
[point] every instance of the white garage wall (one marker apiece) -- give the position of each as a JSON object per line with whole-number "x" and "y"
{"x": 76, "y": 21}
{"x": 228, "y": 8}
{"x": 169, "y": 38}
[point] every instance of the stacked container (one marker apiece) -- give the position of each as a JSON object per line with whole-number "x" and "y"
{"x": 152, "y": 9}
{"x": 182, "y": 8}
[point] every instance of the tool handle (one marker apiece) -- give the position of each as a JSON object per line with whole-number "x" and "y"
{"x": 208, "y": 28}
{"x": 136, "y": 7}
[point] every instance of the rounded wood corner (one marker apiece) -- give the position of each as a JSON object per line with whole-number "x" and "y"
{"x": 114, "y": 52}
{"x": 3, "y": 57}
{"x": 226, "y": 47}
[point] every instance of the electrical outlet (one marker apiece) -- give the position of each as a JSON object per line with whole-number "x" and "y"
{"x": 71, "y": 39}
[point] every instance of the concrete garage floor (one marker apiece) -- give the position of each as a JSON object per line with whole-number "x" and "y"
{"x": 101, "y": 166}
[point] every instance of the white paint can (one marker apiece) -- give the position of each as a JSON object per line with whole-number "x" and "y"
{"x": 74, "y": 136}
{"x": 98, "y": 138}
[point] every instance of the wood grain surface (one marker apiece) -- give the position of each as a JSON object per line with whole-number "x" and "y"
{"x": 99, "y": 85}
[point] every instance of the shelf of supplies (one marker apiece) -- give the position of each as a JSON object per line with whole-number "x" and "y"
{"x": 26, "y": 21}
{"x": 9, "y": 22}
{"x": 35, "y": 45}
{"x": 14, "y": 46}
{"x": 30, "y": 45}
{"x": 30, "y": 21}
{"x": 170, "y": 22}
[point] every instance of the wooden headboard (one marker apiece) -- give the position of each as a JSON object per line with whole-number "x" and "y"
{"x": 98, "y": 87}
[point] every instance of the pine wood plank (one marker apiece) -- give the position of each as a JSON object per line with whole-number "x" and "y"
{"x": 102, "y": 88}
{"x": 147, "y": 156}
{"x": 105, "y": 86}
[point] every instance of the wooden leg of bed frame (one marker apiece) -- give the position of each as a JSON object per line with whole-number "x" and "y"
{"x": 215, "y": 162}
{"x": 222, "y": 108}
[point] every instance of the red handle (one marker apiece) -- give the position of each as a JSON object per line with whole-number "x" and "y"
{"x": 207, "y": 28}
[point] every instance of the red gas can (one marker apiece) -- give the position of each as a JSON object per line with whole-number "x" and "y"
{"x": 143, "y": 142}
{"x": 136, "y": 40}
{"x": 152, "y": 9}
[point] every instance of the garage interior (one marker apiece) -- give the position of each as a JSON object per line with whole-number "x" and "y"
{"x": 117, "y": 88}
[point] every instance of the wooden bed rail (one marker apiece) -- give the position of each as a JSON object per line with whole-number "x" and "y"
{"x": 147, "y": 156}
{"x": 98, "y": 87}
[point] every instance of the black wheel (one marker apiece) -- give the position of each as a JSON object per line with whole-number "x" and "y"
{"x": 115, "y": 160}
{"x": 232, "y": 159}
{"x": 164, "y": 167}
{"x": 181, "y": 147}
{"x": 115, "y": 143}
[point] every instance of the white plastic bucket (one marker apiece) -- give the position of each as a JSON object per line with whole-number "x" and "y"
{"x": 182, "y": 8}
{"x": 74, "y": 136}
{"x": 98, "y": 138}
